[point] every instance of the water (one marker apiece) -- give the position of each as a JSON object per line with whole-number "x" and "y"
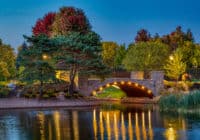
{"x": 105, "y": 123}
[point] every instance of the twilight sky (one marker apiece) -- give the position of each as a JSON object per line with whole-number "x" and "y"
{"x": 114, "y": 20}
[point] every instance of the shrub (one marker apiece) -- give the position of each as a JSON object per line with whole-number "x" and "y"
{"x": 45, "y": 96}
{"x": 4, "y": 91}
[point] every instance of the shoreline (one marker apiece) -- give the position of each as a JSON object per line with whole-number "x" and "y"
{"x": 23, "y": 103}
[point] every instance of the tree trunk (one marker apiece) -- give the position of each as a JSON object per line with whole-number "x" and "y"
{"x": 41, "y": 88}
{"x": 71, "y": 84}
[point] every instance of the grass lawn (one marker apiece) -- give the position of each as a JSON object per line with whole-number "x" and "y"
{"x": 111, "y": 92}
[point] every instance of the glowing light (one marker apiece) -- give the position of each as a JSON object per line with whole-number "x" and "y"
{"x": 108, "y": 85}
{"x": 130, "y": 128}
{"x": 75, "y": 125}
{"x": 44, "y": 56}
{"x": 123, "y": 128}
{"x": 171, "y": 57}
{"x": 143, "y": 87}
{"x": 101, "y": 125}
{"x": 136, "y": 84}
{"x": 115, "y": 126}
{"x": 116, "y": 86}
{"x": 144, "y": 134}
{"x": 101, "y": 88}
{"x": 108, "y": 125}
{"x": 95, "y": 124}
{"x": 137, "y": 127}
{"x": 56, "y": 118}
{"x": 115, "y": 83}
{"x": 150, "y": 126}
{"x": 170, "y": 134}
{"x": 122, "y": 82}
{"x": 149, "y": 91}
{"x": 94, "y": 93}
{"x": 129, "y": 83}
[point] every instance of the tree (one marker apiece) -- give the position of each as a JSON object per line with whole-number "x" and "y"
{"x": 191, "y": 54}
{"x": 142, "y": 36}
{"x": 4, "y": 73}
{"x": 7, "y": 61}
{"x": 177, "y": 38}
{"x": 44, "y": 25}
{"x": 175, "y": 66}
{"x": 81, "y": 54}
{"x": 145, "y": 56}
{"x": 35, "y": 64}
{"x": 70, "y": 19}
{"x": 109, "y": 51}
{"x": 120, "y": 55}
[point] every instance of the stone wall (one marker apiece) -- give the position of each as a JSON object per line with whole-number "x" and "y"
{"x": 155, "y": 84}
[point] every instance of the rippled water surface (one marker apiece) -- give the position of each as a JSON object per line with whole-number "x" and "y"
{"x": 104, "y": 123}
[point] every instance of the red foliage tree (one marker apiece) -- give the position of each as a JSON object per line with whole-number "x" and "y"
{"x": 142, "y": 36}
{"x": 70, "y": 19}
{"x": 44, "y": 25}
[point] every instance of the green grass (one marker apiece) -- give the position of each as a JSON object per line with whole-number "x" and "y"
{"x": 180, "y": 102}
{"x": 111, "y": 92}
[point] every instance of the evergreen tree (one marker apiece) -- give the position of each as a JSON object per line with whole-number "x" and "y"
{"x": 35, "y": 62}
{"x": 81, "y": 54}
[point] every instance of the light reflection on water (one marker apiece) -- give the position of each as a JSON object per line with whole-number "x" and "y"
{"x": 95, "y": 124}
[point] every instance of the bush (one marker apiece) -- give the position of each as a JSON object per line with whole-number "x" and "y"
{"x": 45, "y": 96}
{"x": 4, "y": 91}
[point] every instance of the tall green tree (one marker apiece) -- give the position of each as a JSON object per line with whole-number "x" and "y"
{"x": 34, "y": 60}
{"x": 81, "y": 54}
{"x": 7, "y": 61}
{"x": 109, "y": 51}
{"x": 120, "y": 55}
{"x": 175, "y": 66}
{"x": 145, "y": 56}
{"x": 191, "y": 54}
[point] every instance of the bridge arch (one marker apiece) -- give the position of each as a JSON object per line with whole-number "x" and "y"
{"x": 131, "y": 88}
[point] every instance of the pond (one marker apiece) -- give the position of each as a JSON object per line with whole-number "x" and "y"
{"x": 111, "y": 122}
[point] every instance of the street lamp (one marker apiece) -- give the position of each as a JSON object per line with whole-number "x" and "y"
{"x": 44, "y": 56}
{"x": 171, "y": 57}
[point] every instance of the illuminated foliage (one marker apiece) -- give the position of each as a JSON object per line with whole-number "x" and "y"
{"x": 7, "y": 62}
{"x": 175, "y": 66}
{"x": 44, "y": 25}
{"x": 146, "y": 56}
{"x": 70, "y": 19}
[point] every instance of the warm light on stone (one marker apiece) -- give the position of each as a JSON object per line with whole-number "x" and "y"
{"x": 108, "y": 85}
{"x": 149, "y": 91}
{"x": 143, "y": 87}
{"x": 94, "y": 93}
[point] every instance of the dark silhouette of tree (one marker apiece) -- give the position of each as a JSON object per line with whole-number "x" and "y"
{"x": 177, "y": 38}
{"x": 142, "y": 36}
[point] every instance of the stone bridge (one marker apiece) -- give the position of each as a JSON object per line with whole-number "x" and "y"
{"x": 134, "y": 86}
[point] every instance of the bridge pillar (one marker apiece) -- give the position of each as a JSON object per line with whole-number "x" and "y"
{"x": 157, "y": 77}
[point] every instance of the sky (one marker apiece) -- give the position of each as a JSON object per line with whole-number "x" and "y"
{"x": 113, "y": 20}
